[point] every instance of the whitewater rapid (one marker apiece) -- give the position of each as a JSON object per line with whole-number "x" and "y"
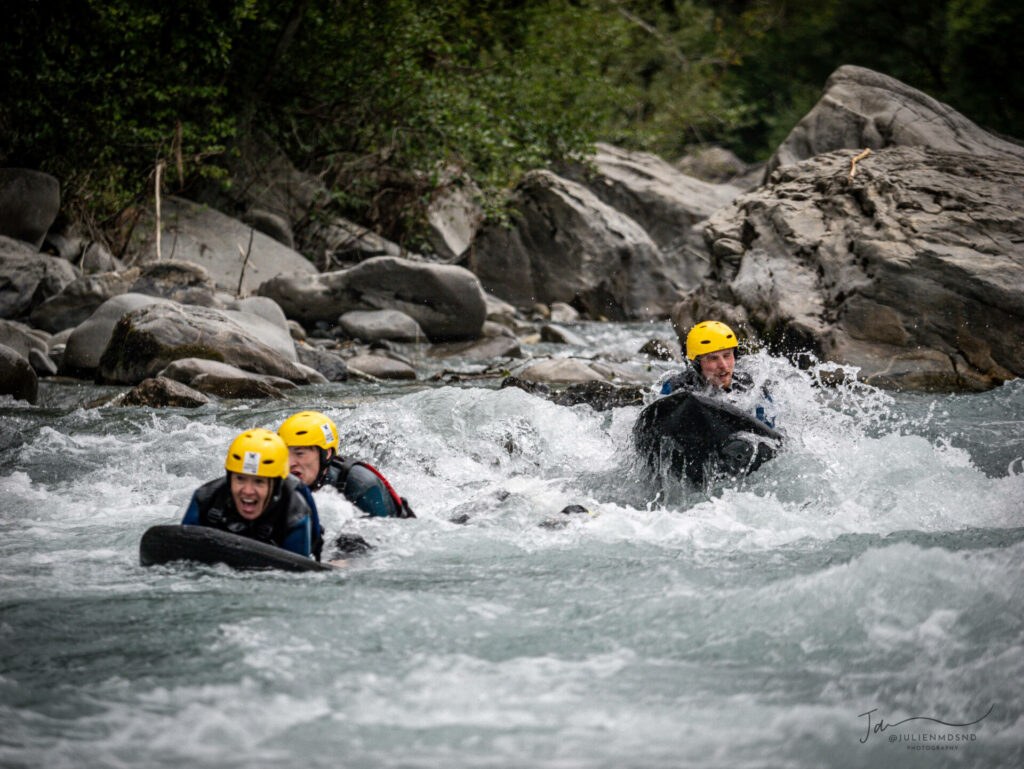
{"x": 875, "y": 566}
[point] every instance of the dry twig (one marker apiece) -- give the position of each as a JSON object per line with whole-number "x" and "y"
{"x": 156, "y": 187}
{"x": 245, "y": 260}
{"x": 853, "y": 163}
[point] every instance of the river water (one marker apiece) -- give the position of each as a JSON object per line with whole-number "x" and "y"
{"x": 872, "y": 573}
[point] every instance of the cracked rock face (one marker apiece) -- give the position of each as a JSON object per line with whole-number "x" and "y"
{"x": 567, "y": 245}
{"x": 913, "y": 270}
{"x": 861, "y": 109}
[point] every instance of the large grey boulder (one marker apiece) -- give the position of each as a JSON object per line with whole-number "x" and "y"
{"x": 87, "y": 255}
{"x": 567, "y": 245}
{"x": 380, "y": 367}
{"x": 195, "y": 233}
{"x": 378, "y": 325}
{"x": 178, "y": 281}
{"x": 146, "y": 340}
{"x": 17, "y": 378}
{"x": 90, "y": 338}
{"x": 863, "y": 109}
{"x": 187, "y": 370}
{"x": 661, "y": 199}
{"x": 28, "y": 278}
{"x": 265, "y": 319}
{"x": 447, "y": 301}
{"x": 330, "y": 365}
{"x": 717, "y": 165}
{"x": 453, "y": 216}
{"x": 29, "y": 203}
{"x": 21, "y": 338}
{"x": 913, "y": 270}
{"x": 31, "y": 344}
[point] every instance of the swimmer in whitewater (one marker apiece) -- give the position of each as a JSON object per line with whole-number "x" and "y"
{"x": 711, "y": 347}
{"x": 257, "y": 498}
{"x": 312, "y": 440}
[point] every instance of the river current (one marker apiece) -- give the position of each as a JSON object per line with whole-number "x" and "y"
{"x": 830, "y": 610}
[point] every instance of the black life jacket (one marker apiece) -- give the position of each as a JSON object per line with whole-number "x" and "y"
{"x": 286, "y": 509}
{"x": 692, "y": 380}
{"x": 336, "y": 474}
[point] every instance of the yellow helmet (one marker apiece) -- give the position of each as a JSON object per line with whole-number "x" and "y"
{"x": 258, "y": 452}
{"x": 309, "y": 428}
{"x": 709, "y": 336}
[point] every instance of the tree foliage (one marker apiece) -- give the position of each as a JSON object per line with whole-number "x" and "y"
{"x": 380, "y": 96}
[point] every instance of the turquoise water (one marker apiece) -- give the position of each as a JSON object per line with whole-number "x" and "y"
{"x": 876, "y": 565}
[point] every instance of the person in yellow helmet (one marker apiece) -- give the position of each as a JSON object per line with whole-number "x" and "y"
{"x": 312, "y": 440}
{"x": 711, "y": 347}
{"x": 258, "y": 498}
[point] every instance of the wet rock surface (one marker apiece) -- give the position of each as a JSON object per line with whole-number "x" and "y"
{"x": 912, "y": 270}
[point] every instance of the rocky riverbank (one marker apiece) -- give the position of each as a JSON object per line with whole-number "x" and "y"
{"x": 904, "y": 265}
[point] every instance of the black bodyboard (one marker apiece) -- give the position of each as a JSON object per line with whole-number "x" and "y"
{"x": 694, "y": 435}
{"x": 202, "y": 544}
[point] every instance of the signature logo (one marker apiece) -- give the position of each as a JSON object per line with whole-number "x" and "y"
{"x": 880, "y": 725}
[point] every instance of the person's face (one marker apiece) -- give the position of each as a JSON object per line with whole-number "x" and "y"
{"x": 251, "y": 494}
{"x": 304, "y": 463}
{"x": 717, "y": 367}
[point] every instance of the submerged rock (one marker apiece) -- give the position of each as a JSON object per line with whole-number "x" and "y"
{"x": 601, "y": 396}
{"x": 663, "y": 349}
{"x": 552, "y": 332}
{"x": 568, "y": 510}
{"x": 160, "y": 392}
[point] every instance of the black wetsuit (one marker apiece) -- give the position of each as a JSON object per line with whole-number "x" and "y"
{"x": 691, "y": 380}
{"x": 364, "y": 487}
{"x": 290, "y": 520}
{"x": 738, "y": 454}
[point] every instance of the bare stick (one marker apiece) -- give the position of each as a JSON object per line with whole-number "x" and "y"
{"x": 159, "y": 171}
{"x": 245, "y": 260}
{"x": 853, "y": 163}
{"x": 179, "y": 161}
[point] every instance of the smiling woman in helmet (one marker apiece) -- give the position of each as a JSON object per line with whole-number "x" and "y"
{"x": 257, "y": 498}
{"x": 312, "y": 440}
{"x": 711, "y": 347}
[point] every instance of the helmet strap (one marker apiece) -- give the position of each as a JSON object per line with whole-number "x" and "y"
{"x": 326, "y": 455}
